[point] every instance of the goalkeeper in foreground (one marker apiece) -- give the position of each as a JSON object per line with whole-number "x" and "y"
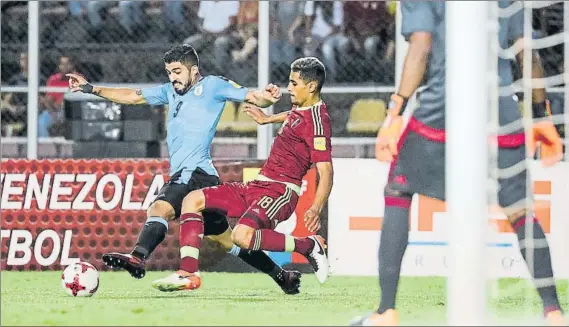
{"x": 195, "y": 103}
{"x": 417, "y": 153}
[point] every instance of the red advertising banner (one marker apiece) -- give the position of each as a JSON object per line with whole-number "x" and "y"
{"x": 55, "y": 212}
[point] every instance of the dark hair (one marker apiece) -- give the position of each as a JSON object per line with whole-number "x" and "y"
{"x": 310, "y": 69}
{"x": 185, "y": 53}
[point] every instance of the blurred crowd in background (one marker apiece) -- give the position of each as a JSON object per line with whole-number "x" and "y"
{"x": 224, "y": 33}
{"x": 123, "y": 42}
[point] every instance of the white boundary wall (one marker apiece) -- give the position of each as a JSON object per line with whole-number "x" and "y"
{"x": 358, "y": 192}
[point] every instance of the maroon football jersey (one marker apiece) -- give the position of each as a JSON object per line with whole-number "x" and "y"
{"x": 303, "y": 139}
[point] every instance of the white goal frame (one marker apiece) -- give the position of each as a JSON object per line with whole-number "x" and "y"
{"x": 466, "y": 158}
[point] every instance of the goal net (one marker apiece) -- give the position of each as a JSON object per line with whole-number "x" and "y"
{"x": 503, "y": 284}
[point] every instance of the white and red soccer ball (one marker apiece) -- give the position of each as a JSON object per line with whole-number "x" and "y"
{"x": 80, "y": 279}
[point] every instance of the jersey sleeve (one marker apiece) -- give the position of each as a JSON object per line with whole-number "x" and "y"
{"x": 156, "y": 95}
{"x": 417, "y": 16}
{"x": 516, "y": 26}
{"x": 228, "y": 90}
{"x": 318, "y": 136}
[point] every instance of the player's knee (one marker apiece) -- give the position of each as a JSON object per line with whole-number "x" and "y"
{"x": 193, "y": 202}
{"x": 242, "y": 236}
{"x": 161, "y": 209}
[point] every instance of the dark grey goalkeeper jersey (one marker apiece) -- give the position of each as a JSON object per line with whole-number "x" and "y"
{"x": 429, "y": 16}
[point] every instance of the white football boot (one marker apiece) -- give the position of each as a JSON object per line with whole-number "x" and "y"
{"x": 178, "y": 281}
{"x": 318, "y": 259}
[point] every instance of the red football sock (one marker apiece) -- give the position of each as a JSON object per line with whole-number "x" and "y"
{"x": 191, "y": 234}
{"x": 303, "y": 245}
{"x": 270, "y": 240}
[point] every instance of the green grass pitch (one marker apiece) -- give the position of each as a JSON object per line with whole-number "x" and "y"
{"x": 36, "y": 298}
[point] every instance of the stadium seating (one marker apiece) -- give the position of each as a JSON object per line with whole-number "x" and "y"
{"x": 366, "y": 116}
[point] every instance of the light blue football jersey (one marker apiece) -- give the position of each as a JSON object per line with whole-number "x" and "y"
{"x": 192, "y": 120}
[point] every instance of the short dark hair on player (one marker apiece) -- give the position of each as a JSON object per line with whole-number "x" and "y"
{"x": 184, "y": 53}
{"x": 310, "y": 69}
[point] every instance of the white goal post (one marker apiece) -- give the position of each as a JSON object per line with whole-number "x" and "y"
{"x": 467, "y": 91}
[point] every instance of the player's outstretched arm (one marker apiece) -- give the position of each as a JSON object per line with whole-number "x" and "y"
{"x": 261, "y": 118}
{"x": 326, "y": 177}
{"x": 122, "y": 95}
{"x": 264, "y": 98}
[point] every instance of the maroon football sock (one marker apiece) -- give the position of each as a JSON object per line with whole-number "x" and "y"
{"x": 191, "y": 234}
{"x": 270, "y": 240}
{"x": 303, "y": 245}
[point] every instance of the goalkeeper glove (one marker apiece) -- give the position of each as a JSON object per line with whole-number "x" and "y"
{"x": 390, "y": 132}
{"x": 543, "y": 132}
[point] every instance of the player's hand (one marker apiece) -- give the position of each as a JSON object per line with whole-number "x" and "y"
{"x": 312, "y": 220}
{"x": 545, "y": 133}
{"x": 256, "y": 113}
{"x": 390, "y": 132}
{"x": 77, "y": 83}
{"x": 272, "y": 93}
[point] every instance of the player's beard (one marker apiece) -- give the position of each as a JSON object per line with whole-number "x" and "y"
{"x": 182, "y": 91}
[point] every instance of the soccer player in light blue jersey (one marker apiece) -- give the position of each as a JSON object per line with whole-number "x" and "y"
{"x": 195, "y": 106}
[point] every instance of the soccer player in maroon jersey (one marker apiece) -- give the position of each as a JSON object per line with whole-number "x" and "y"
{"x": 303, "y": 140}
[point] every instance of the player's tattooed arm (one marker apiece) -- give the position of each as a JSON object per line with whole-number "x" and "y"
{"x": 261, "y": 118}
{"x": 120, "y": 95}
{"x": 78, "y": 83}
{"x": 264, "y": 98}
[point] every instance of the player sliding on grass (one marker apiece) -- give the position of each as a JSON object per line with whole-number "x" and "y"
{"x": 303, "y": 140}
{"x": 418, "y": 158}
{"x": 195, "y": 105}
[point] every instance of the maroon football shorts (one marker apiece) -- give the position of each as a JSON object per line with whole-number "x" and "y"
{"x": 258, "y": 204}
